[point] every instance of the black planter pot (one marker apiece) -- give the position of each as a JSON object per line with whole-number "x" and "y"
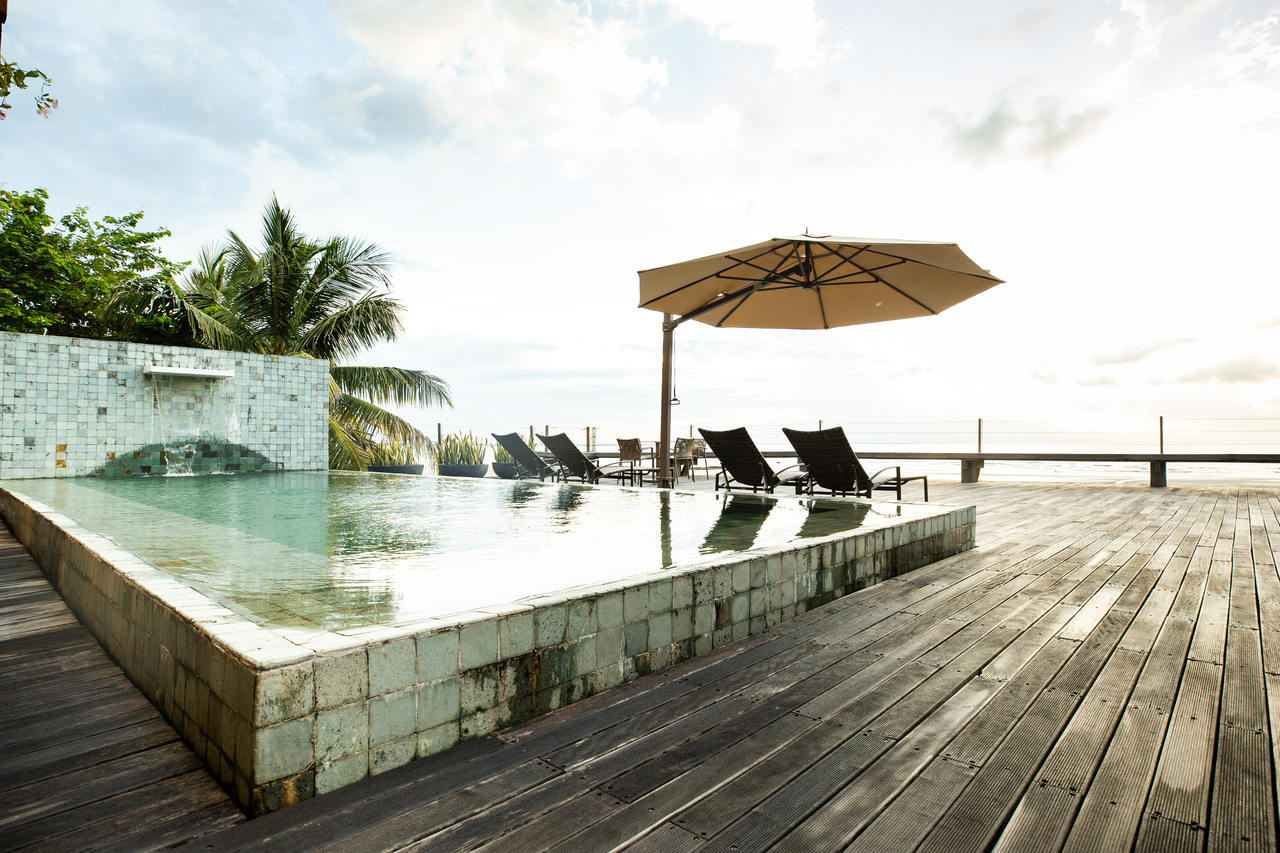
{"x": 395, "y": 469}
{"x": 463, "y": 470}
{"x": 505, "y": 470}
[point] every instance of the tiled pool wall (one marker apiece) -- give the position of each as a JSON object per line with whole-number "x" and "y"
{"x": 72, "y": 407}
{"x": 279, "y": 720}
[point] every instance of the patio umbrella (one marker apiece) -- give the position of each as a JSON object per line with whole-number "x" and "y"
{"x": 805, "y": 282}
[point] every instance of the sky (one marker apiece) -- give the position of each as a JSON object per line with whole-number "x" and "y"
{"x": 1116, "y": 163}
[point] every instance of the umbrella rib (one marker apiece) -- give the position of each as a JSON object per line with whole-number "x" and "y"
{"x": 844, "y": 261}
{"x": 717, "y": 274}
{"x": 747, "y": 291}
{"x": 774, "y": 274}
{"x": 901, "y": 259}
{"x": 872, "y": 272}
{"x": 795, "y": 252}
{"x": 729, "y": 313}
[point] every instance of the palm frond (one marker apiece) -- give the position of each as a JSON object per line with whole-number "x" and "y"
{"x": 210, "y": 298}
{"x": 361, "y": 416}
{"x": 356, "y": 326}
{"x": 349, "y": 450}
{"x": 139, "y": 296}
{"x": 391, "y": 385}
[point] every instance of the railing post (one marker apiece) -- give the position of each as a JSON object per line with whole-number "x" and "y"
{"x": 819, "y": 423}
{"x": 1162, "y": 433}
{"x": 439, "y": 433}
{"x": 979, "y": 435}
{"x": 588, "y": 439}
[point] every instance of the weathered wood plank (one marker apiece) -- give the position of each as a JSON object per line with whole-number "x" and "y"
{"x": 86, "y": 761}
{"x": 909, "y": 708}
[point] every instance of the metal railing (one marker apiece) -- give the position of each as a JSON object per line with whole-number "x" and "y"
{"x": 981, "y": 435}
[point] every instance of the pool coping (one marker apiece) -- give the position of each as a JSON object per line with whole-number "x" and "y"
{"x": 278, "y": 721}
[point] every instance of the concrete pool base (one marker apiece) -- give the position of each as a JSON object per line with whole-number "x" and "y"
{"x": 279, "y": 716}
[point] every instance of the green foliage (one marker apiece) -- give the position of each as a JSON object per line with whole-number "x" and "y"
{"x": 461, "y": 449}
{"x": 316, "y": 298}
{"x": 59, "y": 278}
{"x": 501, "y": 456}
{"x": 391, "y": 453}
{"x": 12, "y": 77}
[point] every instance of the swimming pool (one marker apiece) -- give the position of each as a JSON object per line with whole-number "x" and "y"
{"x": 337, "y": 551}
{"x": 305, "y": 629}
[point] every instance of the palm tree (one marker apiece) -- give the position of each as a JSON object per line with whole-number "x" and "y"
{"x": 315, "y": 299}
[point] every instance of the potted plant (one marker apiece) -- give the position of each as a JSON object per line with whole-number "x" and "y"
{"x": 504, "y": 464}
{"x": 461, "y": 455}
{"x": 392, "y": 458}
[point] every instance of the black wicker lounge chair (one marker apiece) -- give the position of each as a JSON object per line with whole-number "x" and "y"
{"x": 834, "y": 468}
{"x": 574, "y": 463}
{"x": 529, "y": 463}
{"x": 743, "y": 465}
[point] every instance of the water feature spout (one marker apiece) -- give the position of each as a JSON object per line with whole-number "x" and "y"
{"x": 193, "y": 413}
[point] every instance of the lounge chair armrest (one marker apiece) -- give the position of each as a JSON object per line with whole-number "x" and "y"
{"x": 897, "y": 474}
{"x": 781, "y": 471}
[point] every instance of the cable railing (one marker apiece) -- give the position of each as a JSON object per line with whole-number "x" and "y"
{"x": 1155, "y": 435}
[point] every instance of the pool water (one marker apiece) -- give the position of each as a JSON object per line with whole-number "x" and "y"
{"x": 337, "y": 550}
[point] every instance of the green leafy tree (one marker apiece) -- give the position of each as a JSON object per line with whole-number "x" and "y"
{"x": 320, "y": 299}
{"x": 58, "y": 278}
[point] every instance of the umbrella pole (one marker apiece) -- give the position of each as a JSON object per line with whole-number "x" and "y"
{"x": 664, "y": 430}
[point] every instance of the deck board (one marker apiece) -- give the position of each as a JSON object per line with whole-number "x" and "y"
{"x": 86, "y": 762}
{"x": 1102, "y": 671}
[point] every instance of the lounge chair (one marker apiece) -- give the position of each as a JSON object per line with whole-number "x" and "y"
{"x": 574, "y": 463}
{"x": 529, "y": 463}
{"x": 833, "y": 466}
{"x": 742, "y": 464}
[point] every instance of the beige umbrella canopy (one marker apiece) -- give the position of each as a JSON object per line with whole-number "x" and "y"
{"x": 806, "y": 282}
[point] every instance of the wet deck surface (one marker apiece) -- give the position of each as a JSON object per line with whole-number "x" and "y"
{"x": 86, "y": 762}
{"x": 1102, "y": 671}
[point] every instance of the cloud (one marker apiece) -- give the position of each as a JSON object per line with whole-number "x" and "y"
{"x": 1138, "y": 352}
{"x": 1043, "y": 373}
{"x": 1044, "y": 130}
{"x": 508, "y": 71}
{"x": 791, "y": 28}
{"x": 1247, "y": 368}
{"x": 1052, "y": 131}
{"x": 1136, "y": 26}
{"x": 1107, "y": 33}
{"x": 986, "y": 137}
{"x": 1030, "y": 23}
{"x": 1249, "y": 51}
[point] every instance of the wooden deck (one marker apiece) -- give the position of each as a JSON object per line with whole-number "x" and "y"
{"x": 1101, "y": 672}
{"x": 86, "y": 762}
